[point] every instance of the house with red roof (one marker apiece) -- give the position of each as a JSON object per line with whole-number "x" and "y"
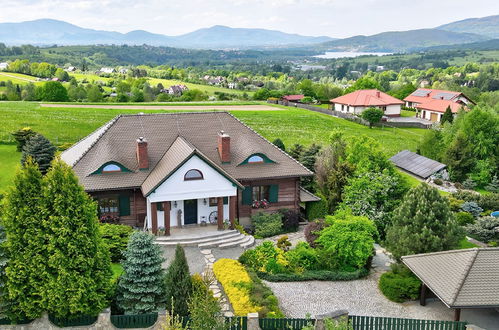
{"x": 356, "y": 102}
{"x": 292, "y": 98}
{"x": 432, "y": 103}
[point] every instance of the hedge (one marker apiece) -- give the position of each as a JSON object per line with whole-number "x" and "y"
{"x": 315, "y": 275}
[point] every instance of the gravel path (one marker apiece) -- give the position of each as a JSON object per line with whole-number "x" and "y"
{"x": 166, "y": 107}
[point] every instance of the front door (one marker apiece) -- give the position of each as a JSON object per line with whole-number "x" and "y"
{"x": 190, "y": 211}
{"x": 434, "y": 117}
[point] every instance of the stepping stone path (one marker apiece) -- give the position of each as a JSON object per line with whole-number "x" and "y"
{"x": 209, "y": 259}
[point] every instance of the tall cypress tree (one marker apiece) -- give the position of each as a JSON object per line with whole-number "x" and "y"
{"x": 26, "y": 272}
{"x": 178, "y": 284}
{"x": 4, "y": 294}
{"x": 447, "y": 116}
{"x": 140, "y": 288}
{"x": 422, "y": 223}
{"x": 78, "y": 261}
{"x": 41, "y": 150}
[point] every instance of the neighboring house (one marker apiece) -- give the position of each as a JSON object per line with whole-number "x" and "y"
{"x": 70, "y": 69}
{"x": 107, "y": 70}
{"x": 123, "y": 70}
{"x": 184, "y": 168}
{"x": 176, "y": 90}
{"x": 432, "y": 103}
{"x": 214, "y": 80}
{"x": 292, "y": 98}
{"x": 459, "y": 278}
{"x": 4, "y": 65}
{"x": 418, "y": 165}
{"x": 356, "y": 102}
{"x": 232, "y": 85}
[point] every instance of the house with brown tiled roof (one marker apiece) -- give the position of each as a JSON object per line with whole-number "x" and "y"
{"x": 432, "y": 103}
{"x": 175, "y": 169}
{"x": 356, "y": 102}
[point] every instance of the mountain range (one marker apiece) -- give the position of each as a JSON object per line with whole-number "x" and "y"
{"x": 45, "y": 32}
{"x": 49, "y": 32}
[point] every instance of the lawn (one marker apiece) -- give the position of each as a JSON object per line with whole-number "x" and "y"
{"x": 406, "y": 113}
{"x": 207, "y": 88}
{"x": 21, "y": 79}
{"x": 68, "y": 125}
{"x": 465, "y": 244}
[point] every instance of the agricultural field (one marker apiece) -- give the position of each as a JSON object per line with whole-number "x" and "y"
{"x": 292, "y": 125}
{"x": 18, "y": 78}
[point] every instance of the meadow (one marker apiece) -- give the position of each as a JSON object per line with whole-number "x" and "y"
{"x": 291, "y": 125}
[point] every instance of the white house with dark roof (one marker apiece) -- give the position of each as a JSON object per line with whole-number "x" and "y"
{"x": 180, "y": 169}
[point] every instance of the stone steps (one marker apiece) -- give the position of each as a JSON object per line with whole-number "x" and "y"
{"x": 245, "y": 242}
{"x": 237, "y": 239}
{"x": 197, "y": 240}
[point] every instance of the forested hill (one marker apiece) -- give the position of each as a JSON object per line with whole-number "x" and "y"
{"x": 486, "y": 26}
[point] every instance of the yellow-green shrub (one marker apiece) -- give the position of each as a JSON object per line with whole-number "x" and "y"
{"x": 237, "y": 284}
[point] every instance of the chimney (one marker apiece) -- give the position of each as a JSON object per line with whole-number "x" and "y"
{"x": 378, "y": 94}
{"x": 224, "y": 147}
{"x": 142, "y": 156}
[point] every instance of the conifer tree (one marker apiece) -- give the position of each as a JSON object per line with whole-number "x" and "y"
{"x": 41, "y": 150}
{"x": 493, "y": 186}
{"x": 178, "y": 283}
{"x": 447, "y": 116}
{"x": 22, "y": 136}
{"x": 78, "y": 260}
{"x": 422, "y": 223}
{"x": 141, "y": 287}
{"x": 4, "y": 294}
{"x": 279, "y": 144}
{"x": 26, "y": 271}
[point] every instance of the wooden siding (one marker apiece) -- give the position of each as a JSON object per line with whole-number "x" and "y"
{"x": 288, "y": 197}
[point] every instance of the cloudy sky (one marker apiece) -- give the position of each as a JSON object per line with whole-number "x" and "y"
{"x": 335, "y": 18}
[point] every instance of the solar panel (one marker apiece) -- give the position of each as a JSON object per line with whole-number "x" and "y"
{"x": 416, "y": 164}
{"x": 420, "y": 92}
{"x": 444, "y": 96}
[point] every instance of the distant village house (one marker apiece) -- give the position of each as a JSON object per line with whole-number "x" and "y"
{"x": 356, "y": 102}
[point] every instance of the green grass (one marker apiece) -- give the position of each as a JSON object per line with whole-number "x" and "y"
{"x": 293, "y": 125}
{"x": 406, "y": 113}
{"x": 9, "y": 160}
{"x": 117, "y": 270}
{"x": 6, "y": 76}
{"x": 465, "y": 244}
{"x": 207, "y": 88}
{"x": 413, "y": 182}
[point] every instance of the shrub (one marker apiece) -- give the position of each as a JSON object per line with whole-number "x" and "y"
{"x": 261, "y": 295}
{"x": 315, "y": 275}
{"x": 464, "y": 218}
{"x": 312, "y": 230}
{"x": 303, "y": 257}
{"x": 455, "y": 204}
{"x": 472, "y": 208}
{"x": 116, "y": 239}
{"x": 267, "y": 224}
{"x": 236, "y": 283}
{"x": 178, "y": 284}
{"x": 265, "y": 258}
{"x": 290, "y": 220}
{"x": 438, "y": 182}
{"x": 347, "y": 243}
{"x": 485, "y": 229}
{"x": 399, "y": 284}
{"x": 283, "y": 243}
{"x": 204, "y": 309}
{"x": 22, "y": 136}
{"x": 316, "y": 210}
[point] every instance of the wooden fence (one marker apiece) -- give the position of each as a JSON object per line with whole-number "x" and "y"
{"x": 284, "y": 324}
{"x": 389, "y": 323}
{"x": 134, "y": 321}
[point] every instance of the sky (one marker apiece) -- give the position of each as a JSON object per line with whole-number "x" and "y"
{"x": 334, "y": 18}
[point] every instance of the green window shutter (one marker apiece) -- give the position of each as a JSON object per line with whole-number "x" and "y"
{"x": 226, "y": 200}
{"x": 159, "y": 206}
{"x": 247, "y": 195}
{"x": 274, "y": 193}
{"x": 124, "y": 205}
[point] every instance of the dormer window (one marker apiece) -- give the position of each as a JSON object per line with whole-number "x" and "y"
{"x": 193, "y": 175}
{"x": 257, "y": 158}
{"x": 111, "y": 168}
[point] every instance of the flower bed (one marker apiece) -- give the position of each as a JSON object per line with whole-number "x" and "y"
{"x": 236, "y": 283}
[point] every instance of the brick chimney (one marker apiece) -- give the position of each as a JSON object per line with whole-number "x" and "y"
{"x": 224, "y": 147}
{"x": 378, "y": 94}
{"x": 142, "y": 156}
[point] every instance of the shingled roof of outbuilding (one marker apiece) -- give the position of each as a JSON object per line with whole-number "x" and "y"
{"x": 116, "y": 142}
{"x": 460, "y": 278}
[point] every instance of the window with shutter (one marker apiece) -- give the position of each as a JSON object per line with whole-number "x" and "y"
{"x": 247, "y": 196}
{"x": 124, "y": 205}
{"x": 274, "y": 193}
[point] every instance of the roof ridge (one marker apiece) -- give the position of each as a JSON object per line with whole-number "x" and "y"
{"x": 174, "y": 112}
{"x": 446, "y": 252}
{"x": 109, "y": 125}
{"x": 468, "y": 269}
{"x": 260, "y": 136}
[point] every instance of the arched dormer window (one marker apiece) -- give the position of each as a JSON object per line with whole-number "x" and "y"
{"x": 257, "y": 158}
{"x": 193, "y": 175}
{"x": 111, "y": 167}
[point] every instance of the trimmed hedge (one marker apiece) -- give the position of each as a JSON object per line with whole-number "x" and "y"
{"x": 315, "y": 275}
{"x": 399, "y": 285}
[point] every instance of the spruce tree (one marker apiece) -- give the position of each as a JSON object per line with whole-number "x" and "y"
{"x": 26, "y": 272}
{"x": 279, "y": 144}
{"x": 422, "y": 223}
{"x": 178, "y": 284}
{"x": 447, "y": 116}
{"x": 141, "y": 288}
{"x": 41, "y": 150}
{"x": 78, "y": 260}
{"x": 22, "y": 136}
{"x": 493, "y": 186}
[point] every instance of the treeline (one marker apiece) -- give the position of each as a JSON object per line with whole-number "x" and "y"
{"x": 41, "y": 70}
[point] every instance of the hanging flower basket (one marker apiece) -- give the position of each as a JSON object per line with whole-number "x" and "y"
{"x": 263, "y": 204}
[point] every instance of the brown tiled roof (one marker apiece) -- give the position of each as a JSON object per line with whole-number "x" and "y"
{"x": 307, "y": 196}
{"x": 460, "y": 278}
{"x": 116, "y": 141}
